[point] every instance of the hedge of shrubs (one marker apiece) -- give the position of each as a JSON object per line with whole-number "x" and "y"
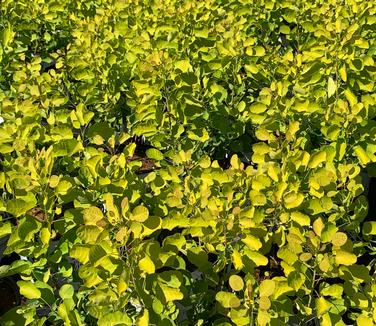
{"x": 188, "y": 162}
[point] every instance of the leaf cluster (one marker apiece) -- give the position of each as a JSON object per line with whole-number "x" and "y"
{"x": 186, "y": 162}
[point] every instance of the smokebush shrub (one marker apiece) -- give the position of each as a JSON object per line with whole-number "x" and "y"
{"x": 187, "y": 162}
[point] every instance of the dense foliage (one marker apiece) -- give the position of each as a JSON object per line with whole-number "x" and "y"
{"x": 277, "y": 234}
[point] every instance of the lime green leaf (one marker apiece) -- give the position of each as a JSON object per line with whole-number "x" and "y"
{"x": 67, "y": 147}
{"x": 143, "y": 320}
{"x": 305, "y": 256}
{"x": 258, "y": 108}
{"x": 343, "y": 73}
{"x": 237, "y": 260}
{"x": 204, "y": 162}
{"x": 45, "y": 235}
{"x": 183, "y": 65}
{"x": 154, "y": 154}
{"x": 259, "y": 51}
{"x": 81, "y": 253}
{"x": 263, "y": 317}
{"x": 115, "y": 318}
{"x": 5, "y": 229}
{"x": 296, "y": 280}
{"x": 18, "y": 207}
{"x": 351, "y": 98}
{"x": 66, "y": 291}
{"x": 257, "y": 198}
{"x": 317, "y": 206}
{"x": 257, "y": 258}
{"x": 29, "y": 290}
{"x": 334, "y": 291}
{"x": 273, "y": 172}
{"x": 284, "y": 29}
{"x": 318, "y": 226}
{"x": 199, "y": 134}
{"x": 287, "y": 255}
{"x": 328, "y": 232}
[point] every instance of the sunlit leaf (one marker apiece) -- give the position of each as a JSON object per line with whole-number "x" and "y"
{"x": 29, "y": 290}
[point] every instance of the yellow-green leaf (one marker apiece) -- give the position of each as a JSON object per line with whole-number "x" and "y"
{"x": 267, "y": 288}
{"x": 264, "y": 303}
{"x": 236, "y": 282}
{"x": 140, "y": 214}
{"x": 345, "y": 258}
{"x": 362, "y": 155}
{"x": 92, "y": 215}
{"x": 293, "y": 200}
{"x": 257, "y": 258}
{"x": 364, "y": 321}
{"x": 343, "y": 73}
{"x": 45, "y": 235}
{"x": 146, "y": 265}
{"x": 258, "y": 107}
{"x": 143, "y": 320}
{"x": 29, "y": 290}
{"x": 171, "y": 294}
{"x": 300, "y": 218}
{"x": 332, "y": 87}
{"x": 227, "y": 299}
{"x": 252, "y": 242}
{"x": 154, "y": 154}
{"x": 316, "y": 159}
{"x": 339, "y": 239}
{"x": 369, "y": 228}
{"x": 183, "y": 65}
{"x": 236, "y": 258}
{"x": 322, "y": 306}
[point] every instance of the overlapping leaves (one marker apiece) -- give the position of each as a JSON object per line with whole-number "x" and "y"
{"x": 276, "y": 236}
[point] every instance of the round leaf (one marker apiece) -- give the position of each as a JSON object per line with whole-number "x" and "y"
{"x": 140, "y": 214}
{"x": 264, "y": 303}
{"x": 339, "y": 239}
{"x": 236, "y": 282}
{"x": 66, "y": 291}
